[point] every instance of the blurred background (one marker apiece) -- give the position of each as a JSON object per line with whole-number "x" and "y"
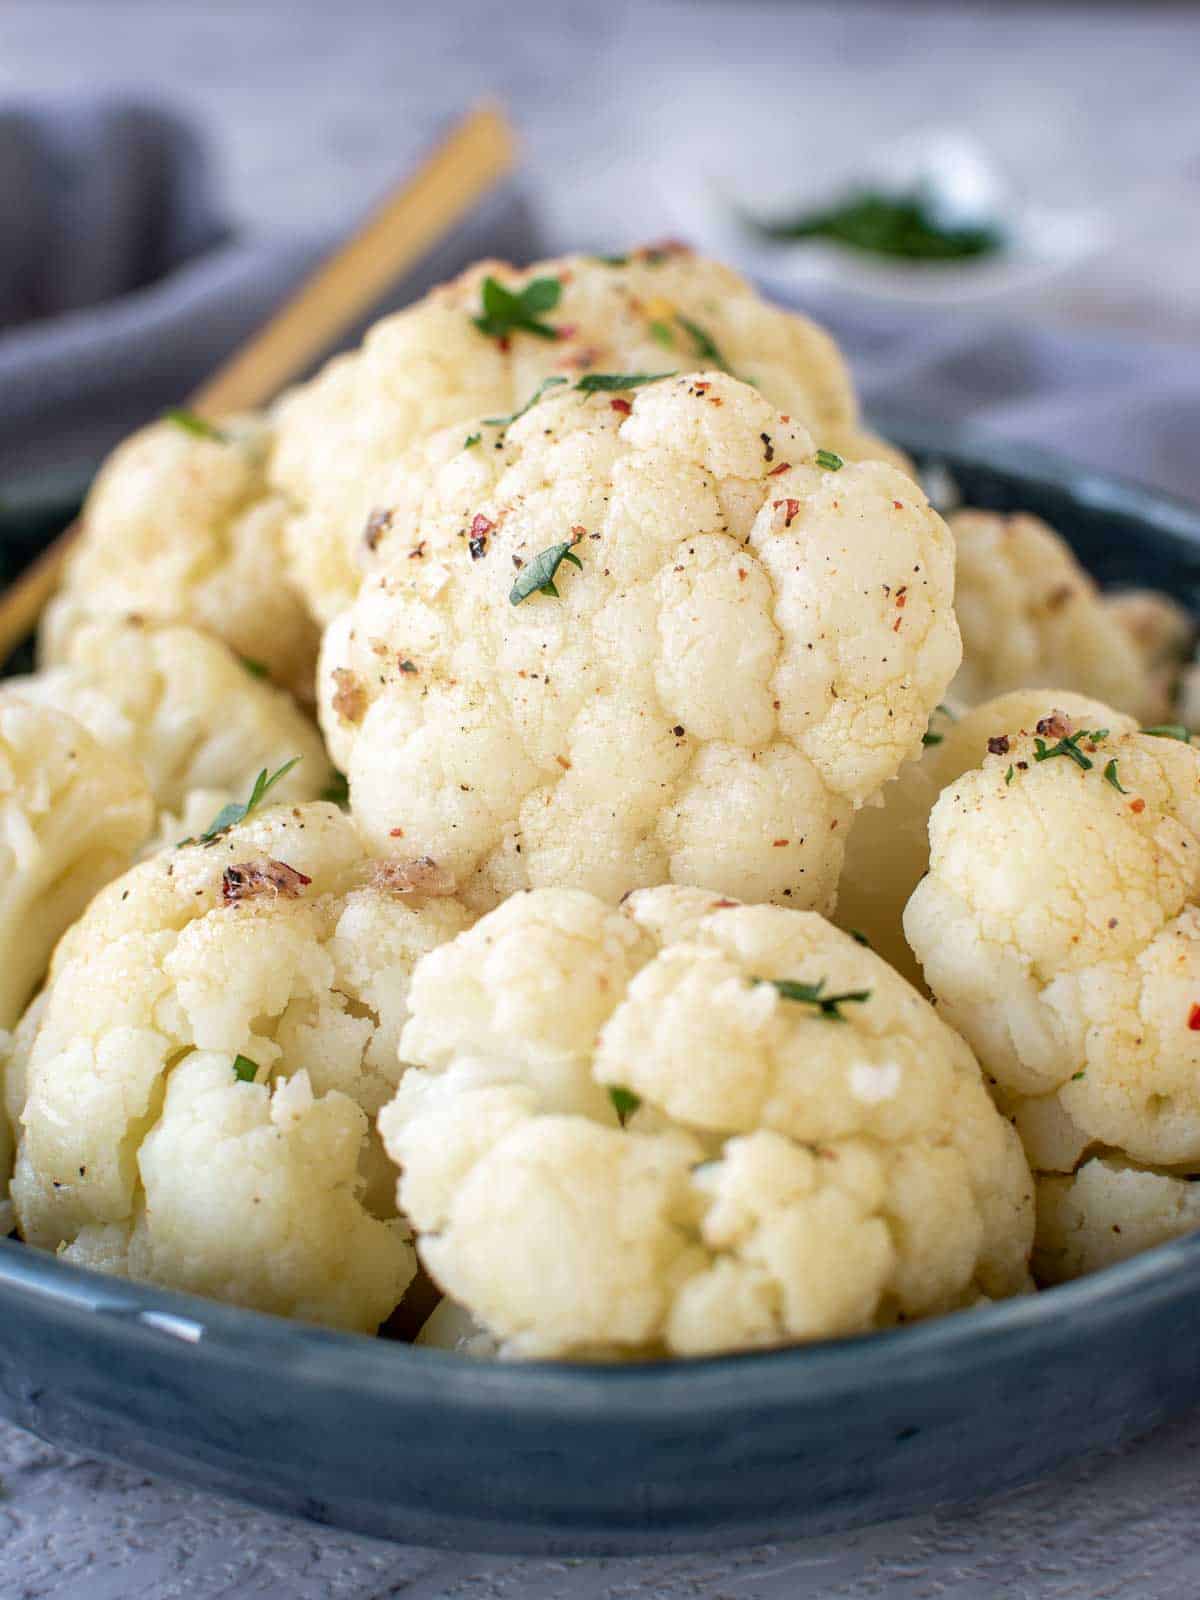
{"x": 1061, "y": 141}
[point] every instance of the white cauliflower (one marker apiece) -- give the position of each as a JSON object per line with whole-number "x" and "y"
{"x": 888, "y": 850}
{"x": 745, "y": 640}
{"x": 1164, "y": 633}
{"x": 1059, "y": 929}
{"x": 1031, "y": 617}
{"x": 179, "y": 703}
{"x": 1106, "y": 1212}
{"x": 807, "y": 1150}
{"x": 72, "y": 814}
{"x": 180, "y": 526}
{"x": 657, "y": 310}
{"x": 217, "y": 1033}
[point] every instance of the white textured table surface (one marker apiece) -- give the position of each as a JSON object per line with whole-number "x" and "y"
{"x": 316, "y": 109}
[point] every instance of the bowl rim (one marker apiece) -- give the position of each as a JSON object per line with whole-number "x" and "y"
{"x": 938, "y": 1350}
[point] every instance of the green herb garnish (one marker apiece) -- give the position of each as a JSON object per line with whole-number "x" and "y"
{"x": 889, "y": 225}
{"x": 661, "y": 333}
{"x": 929, "y": 737}
{"x": 860, "y": 938}
{"x": 830, "y": 460}
{"x": 624, "y": 1101}
{"x": 191, "y": 423}
{"x": 1170, "y": 730}
{"x": 1008, "y": 776}
{"x": 610, "y": 382}
{"x": 244, "y": 1070}
{"x": 507, "y": 422}
{"x": 236, "y": 812}
{"x": 256, "y": 669}
{"x": 1069, "y": 747}
{"x": 1110, "y": 773}
{"x": 537, "y": 576}
{"x": 1075, "y": 1076}
{"x": 705, "y": 346}
{"x": 505, "y": 312}
{"x": 612, "y": 261}
{"x": 337, "y": 790}
{"x": 471, "y": 441}
{"x": 813, "y": 994}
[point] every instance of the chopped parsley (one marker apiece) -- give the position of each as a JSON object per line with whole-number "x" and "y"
{"x": 507, "y": 422}
{"x": 1110, "y": 773}
{"x": 408, "y": 666}
{"x": 624, "y": 1101}
{"x": 830, "y": 460}
{"x": 1008, "y": 776}
{"x": 244, "y": 1070}
{"x": 929, "y": 737}
{"x": 813, "y": 994}
{"x": 879, "y": 223}
{"x": 1075, "y": 1076}
{"x": 1170, "y": 730}
{"x": 191, "y": 423}
{"x": 610, "y": 382}
{"x": 703, "y": 342}
{"x": 860, "y": 938}
{"x": 471, "y": 441}
{"x": 537, "y": 576}
{"x": 337, "y": 790}
{"x": 506, "y": 312}
{"x": 236, "y": 812}
{"x": 1069, "y": 746}
{"x": 612, "y": 261}
{"x": 256, "y": 669}
{"x": 661, "y": 333}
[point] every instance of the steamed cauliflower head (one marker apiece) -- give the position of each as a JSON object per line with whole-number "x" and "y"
{"x": 744, "y": 640}
{"x": 1059, "y": 930}
{"x": 432, "y": 365}
{"x": 687, "y": 1126}
{"x": 888, "y": 850}
{"x": 180, "y": 704}
{"x": 1031, "y": 617}
{"x": 217, "y": 1034}
{"x": 180, "y": 526}
{"x": 72, "y": 815}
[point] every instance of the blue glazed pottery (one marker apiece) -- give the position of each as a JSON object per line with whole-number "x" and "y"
{"x": 426, "y": 1447}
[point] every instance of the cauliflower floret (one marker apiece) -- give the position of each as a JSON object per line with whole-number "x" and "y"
{"x": 1059, "y": 929}
{"x": 888, "y": 849}
{"x": 794, "y": 1163}
{"x": 1106, "y": 1212}
{"x": 71, "y": 816}
{"x": 339, "y": 436}
{"x": 748, "y": 646}
{"x": 180, "y": 526}
{"x": 1031, "y": 617}
{"x": 178, "y": 702}
{"x": 1164, "y": 633}
{"x": 218, "y": 1031}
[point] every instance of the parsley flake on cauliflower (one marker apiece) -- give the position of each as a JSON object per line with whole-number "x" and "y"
{"x": 446, "y": 360}
{"x": 634, "y": 645}
{"x": 687, "y": 1126}
{"x": 180, "y": 526}
{"x": 217, "y": 1034}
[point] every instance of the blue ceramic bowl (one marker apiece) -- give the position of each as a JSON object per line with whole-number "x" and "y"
{"x": 426, "y": 1447}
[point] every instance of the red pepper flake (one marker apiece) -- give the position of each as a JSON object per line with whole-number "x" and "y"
{"x": 782, "y": 467}
{"x": 622, "y": 406}
{"x": 896, "y": 624}
{"x": 702, "y": 387}
{"x": 1194, "y": 1018}
{"x": 481, "y": 526}
{"x": 778, "y": 844}
{"x": 724, "y": 905}
{"x": 792, "y": 511}
{"x": 902, "y": 597}
{"x": 395, "y": 833}
{"x": 1055, "y": 726}
{"x": 568, "y": 330}
{"x": 563, "y": 763}
{"x": 1137, "y": 806}
{"x": 898, "y": 504}
{"x": 578, "y": 531}
{"x": 742, "y": 574}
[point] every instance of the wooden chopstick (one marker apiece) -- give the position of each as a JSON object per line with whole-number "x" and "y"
{"x": 414, "y": 216}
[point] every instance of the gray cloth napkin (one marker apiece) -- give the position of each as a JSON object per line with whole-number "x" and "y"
{"x": 122, "y": 285}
